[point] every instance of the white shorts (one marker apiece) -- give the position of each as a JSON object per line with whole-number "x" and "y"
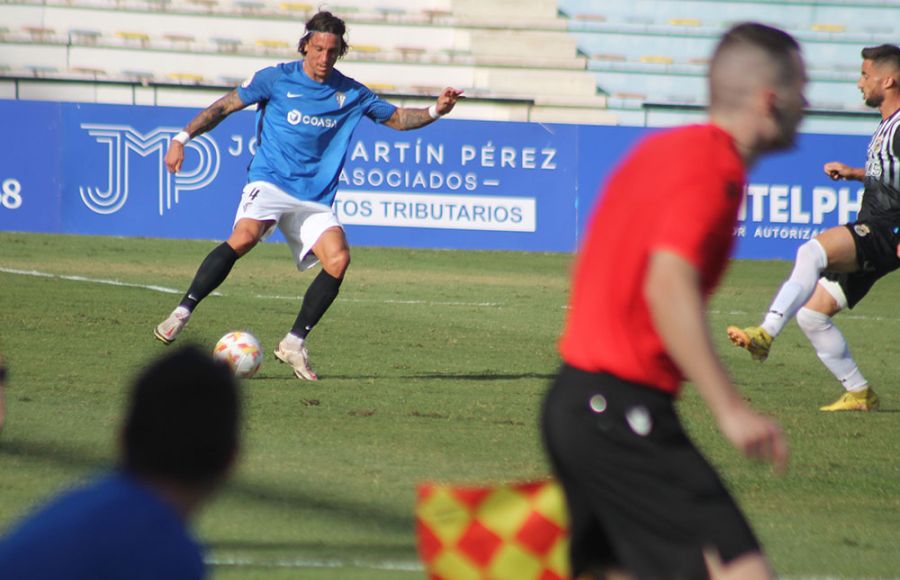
{"x": 301, "y": 222}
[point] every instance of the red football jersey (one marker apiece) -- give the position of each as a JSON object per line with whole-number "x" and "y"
{"x": 679, "y": 190}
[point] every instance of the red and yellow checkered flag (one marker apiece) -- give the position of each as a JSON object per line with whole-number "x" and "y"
{"x": 506, "y": 532}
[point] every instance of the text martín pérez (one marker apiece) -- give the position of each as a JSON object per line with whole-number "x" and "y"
{"x": 422, "y": 166}
{"x": 795, "y": 212}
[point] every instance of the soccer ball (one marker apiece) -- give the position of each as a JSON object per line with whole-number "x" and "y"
{"x": 241, "y": 351}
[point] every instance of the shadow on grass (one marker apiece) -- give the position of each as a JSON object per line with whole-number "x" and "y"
{"x": 61, "y": 455}
{"x": 482, "y": 376}
{"x": 296, "y": 500}
{"x": 309, "y": 501}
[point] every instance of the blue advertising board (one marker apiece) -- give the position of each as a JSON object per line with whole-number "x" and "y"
{"x": 462, "y": 184}
{"x": 99, "y": 169}
{"x": 117, "y": 182}
{"x": 30, "y": 167}
{"x": 790, "y": 199}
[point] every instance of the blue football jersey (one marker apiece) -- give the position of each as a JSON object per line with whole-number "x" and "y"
{"x": 303, "y": 127}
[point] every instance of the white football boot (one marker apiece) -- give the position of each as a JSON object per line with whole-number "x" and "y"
{"x": 169, "y": 329}
{"x": 292, "y": 350}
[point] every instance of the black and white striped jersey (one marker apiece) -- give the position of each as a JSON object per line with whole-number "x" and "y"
{"x": 882, "y": 182}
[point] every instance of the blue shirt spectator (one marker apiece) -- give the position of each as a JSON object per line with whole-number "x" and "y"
{"x": 178, "y": 444}
{"x": 114, "y": 527}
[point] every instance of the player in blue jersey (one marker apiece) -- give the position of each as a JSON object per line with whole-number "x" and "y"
{"x": 307, "y": 111}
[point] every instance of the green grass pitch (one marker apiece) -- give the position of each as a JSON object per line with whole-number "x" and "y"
{"x": 432, "y": 366}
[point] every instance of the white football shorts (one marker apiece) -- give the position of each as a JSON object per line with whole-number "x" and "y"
{"x": 301, "y": 222}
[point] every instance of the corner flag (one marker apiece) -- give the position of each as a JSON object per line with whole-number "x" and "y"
{"x": 505, "y": 532}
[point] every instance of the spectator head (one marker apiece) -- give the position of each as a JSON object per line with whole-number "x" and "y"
{"x": 183, "y": 420}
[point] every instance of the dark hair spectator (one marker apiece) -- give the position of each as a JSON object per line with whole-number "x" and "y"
{"x": 179, "y": 441}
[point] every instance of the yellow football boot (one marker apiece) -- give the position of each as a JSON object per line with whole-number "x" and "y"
{"x": 753, "y": 338}
{"x": 865, "y": 400}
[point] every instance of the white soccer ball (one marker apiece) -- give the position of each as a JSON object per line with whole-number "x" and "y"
{"x": 241, "y": 351}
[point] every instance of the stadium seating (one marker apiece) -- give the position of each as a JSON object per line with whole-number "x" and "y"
{"x": 83, "y": 36}
{"x": 578, "y": 59}
{"x": 659, "y": 44}
{"x": 392, "y": 46}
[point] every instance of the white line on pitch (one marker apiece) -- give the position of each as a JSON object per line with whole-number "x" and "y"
{"x": 309, "y": 563}
{"x": 839, "y": 317}
{"x": 92, "y": 280}
{"x": 166, "y": 290}
{"x": 396, "y": 566}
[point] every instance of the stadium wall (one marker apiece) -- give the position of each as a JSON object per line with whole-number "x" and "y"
{"x": 98, "y": 169}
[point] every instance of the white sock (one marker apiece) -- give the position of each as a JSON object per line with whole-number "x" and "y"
{"x": 799, "y": 287}
{"x": 182, "y": 312}
{"x": 832, "y": 348}
{"x": 293, "y": 340}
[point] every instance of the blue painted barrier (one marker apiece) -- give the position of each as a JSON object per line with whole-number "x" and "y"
{"x": 98, "y": 169}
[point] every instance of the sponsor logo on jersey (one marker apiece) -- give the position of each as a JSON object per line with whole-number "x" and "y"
{"x": 295, "y": 117}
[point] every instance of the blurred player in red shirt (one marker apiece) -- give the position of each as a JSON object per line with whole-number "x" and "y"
{"x": 642, "y": 499}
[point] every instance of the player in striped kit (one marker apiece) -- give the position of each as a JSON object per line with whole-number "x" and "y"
{"x": 837, "y": 269}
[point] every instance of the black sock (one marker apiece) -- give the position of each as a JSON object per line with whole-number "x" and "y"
{"x": 319, "y": 296}
{"x": 210, "y": 274}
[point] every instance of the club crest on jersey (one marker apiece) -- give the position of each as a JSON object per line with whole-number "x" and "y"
{"x": 341, "y": 97}
{"x": 862, "y": 230}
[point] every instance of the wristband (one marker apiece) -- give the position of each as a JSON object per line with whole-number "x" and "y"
{"x": 432, "y": 112}
{"x": 182, "y": 137}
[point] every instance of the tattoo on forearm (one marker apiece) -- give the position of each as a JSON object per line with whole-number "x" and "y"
{"x": 214, "y": 114}
{"x": 413, "y": 118}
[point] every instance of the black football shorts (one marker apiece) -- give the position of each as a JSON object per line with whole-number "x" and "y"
{"x": 876, "y": 252}
{"x": 640, "y": 496}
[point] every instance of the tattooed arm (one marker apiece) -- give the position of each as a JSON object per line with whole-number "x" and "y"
{"x": 205, "y": 121}
{"x": 404, "y": 119}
